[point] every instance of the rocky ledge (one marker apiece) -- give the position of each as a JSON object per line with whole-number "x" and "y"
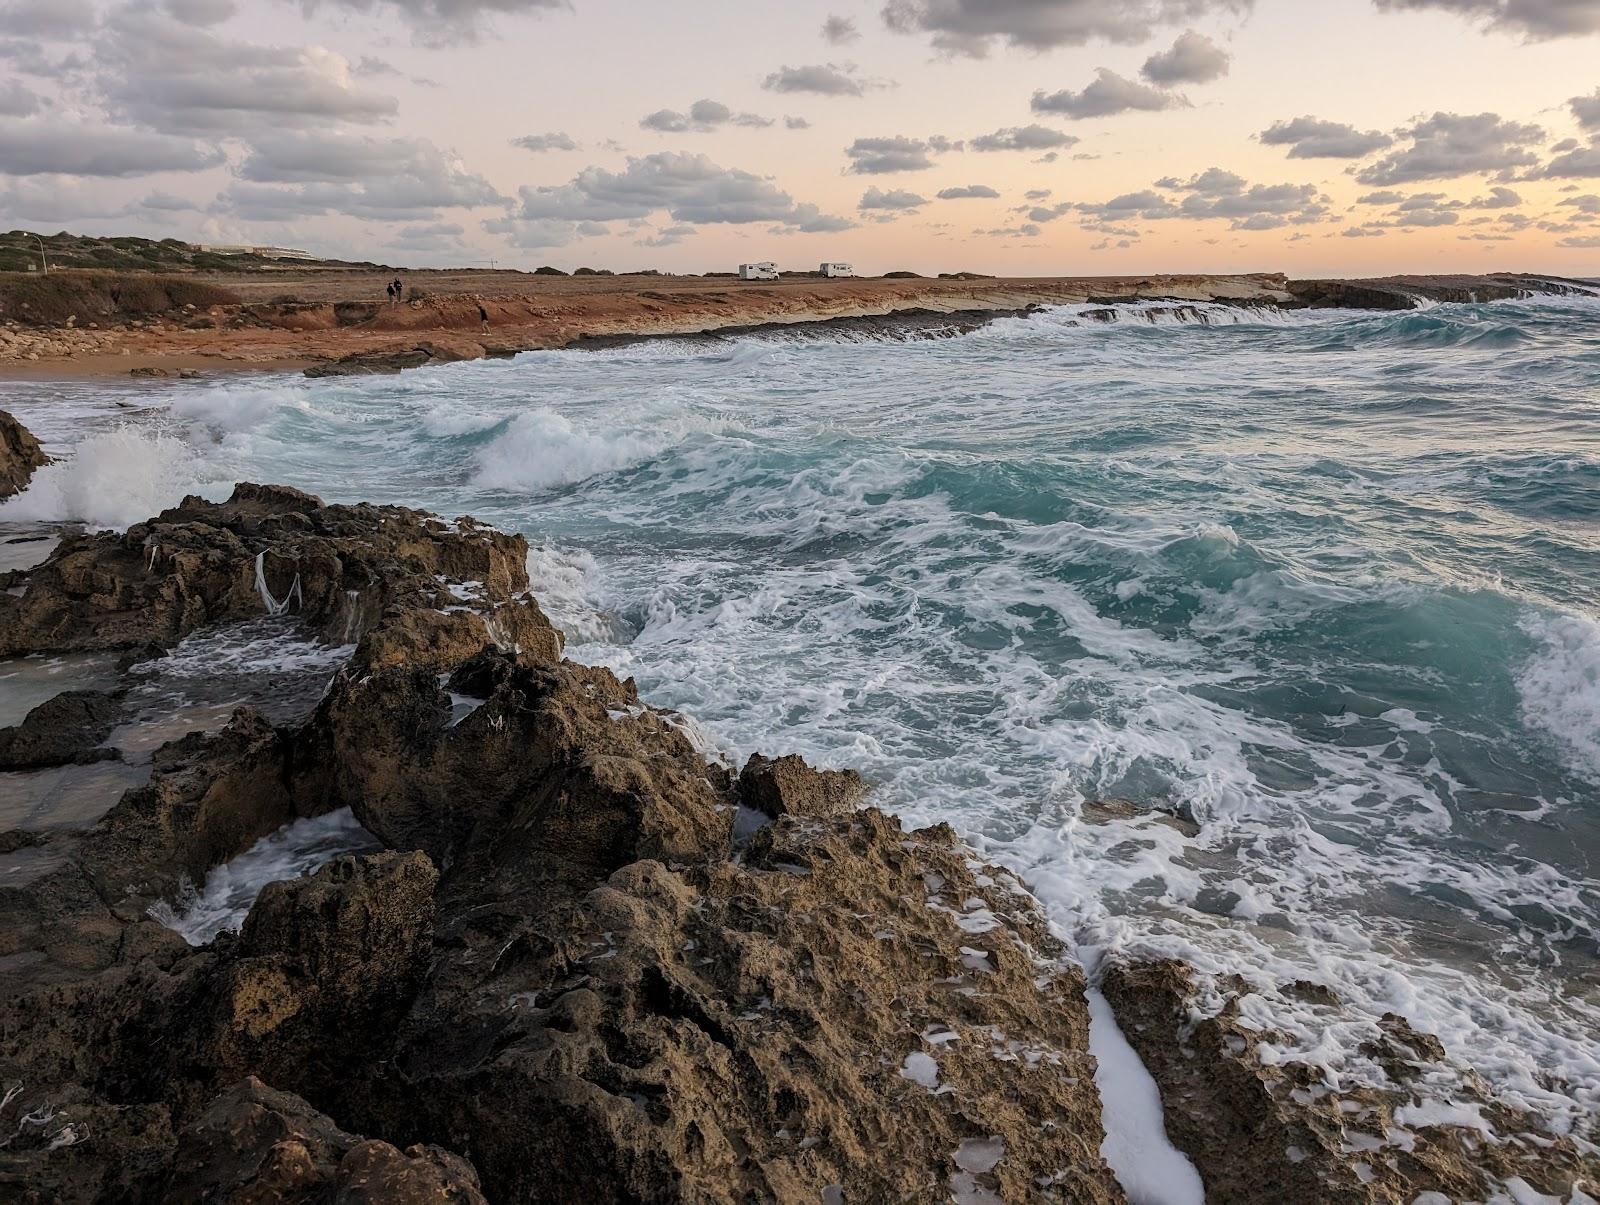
{"x": 20, "y": 455}
{"x": 591, "y": 962}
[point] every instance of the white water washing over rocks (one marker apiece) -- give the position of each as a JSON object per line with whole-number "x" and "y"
{"x": 1323, "y": 589}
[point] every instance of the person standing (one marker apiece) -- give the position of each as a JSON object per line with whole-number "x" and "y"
{"x": 389, "y": 289}
{"x": 399, "y": 290}
{"x": 483, "y": 317}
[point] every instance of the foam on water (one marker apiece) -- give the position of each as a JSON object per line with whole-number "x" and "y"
{"x": 222, "y": 902}
{"x": 1325, "y": 585}
{"x": 541, "y": 450}
{"x": 1560, "y": 687}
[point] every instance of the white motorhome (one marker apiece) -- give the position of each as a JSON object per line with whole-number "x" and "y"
{"x": 766, "y": 270}
{"x": 837, "y": 270}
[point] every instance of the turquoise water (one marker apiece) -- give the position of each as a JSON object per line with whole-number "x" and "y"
{"x": 1329, "y": 586}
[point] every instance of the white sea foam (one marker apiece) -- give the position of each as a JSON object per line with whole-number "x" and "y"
{"x": 565, "y": 582}
{"x": 236, "y": 408}
{"x": 1560, "y": 687}
{"x": 113, "y": 479}
{"x": 1150, "y": 1169}
{"x": 222, "y": 902}
{"x": 543, "y": 450}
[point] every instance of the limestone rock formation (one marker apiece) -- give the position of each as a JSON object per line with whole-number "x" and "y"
{"x": 562, "y": 976}
{"x": 64, "y": 729}
{"x": 20, "y": 455}
{"x": 344, "y": 570}
{"x": 1266, "y": 1130}
{"x": 256, "y": 1146}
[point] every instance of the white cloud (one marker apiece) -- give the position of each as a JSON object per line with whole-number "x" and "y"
{"x": 1534, "y": 19}
{"x": 40, "y": 145}
{"x": 553, "y": 141}
{"x": 444, "y": 22}
{"x": 1447, "y": 145}
{"x": 1023, "y": 138}
{"x": 885, "y": 156}
{"x": 823, "y": 79}
{"x": 971, "y": 27}
{"x": 703, "y": 117}
{"x": 840, "y": 31}
{"x": 1587, "y": 110}
{"x": 1108, "y": 95}
{"x": 1193, "y": 59}
{"x": 899, "y": 198}
{"x": 1313, "y": 138}
{"x": 180, "y": 79}
{"x": 691, "y": 189}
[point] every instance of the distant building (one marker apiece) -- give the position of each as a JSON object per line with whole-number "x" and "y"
{"x": 837, "y": 270}
{"x": 263, "y": 252}
{"x": 765, "y": 270}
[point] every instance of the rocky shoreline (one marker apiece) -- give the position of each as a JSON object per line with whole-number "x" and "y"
{"x": 352, "y": 331}
{"x": 591, "y": 961}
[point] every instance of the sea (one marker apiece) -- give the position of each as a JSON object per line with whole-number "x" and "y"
{"x": 1316, "y": 593}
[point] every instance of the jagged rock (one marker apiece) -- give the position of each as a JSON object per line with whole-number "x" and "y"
{"x": 258, "y": 1146}
{"x": 560, "y": 765}
{"x": 438, "y": 350}
{"x": 787, "y": 786}
{"x": 20, "y": 455}
{"x": 1104, "y": 811}
{"x": 62, "y": 730}
{"x": 849, "y": 1009}
{"x": 1265, "y": 1130}
{"x": 268, "y": 549}
{"x": 340, "y": 952}
{"x": 562, "y": 971}
{"x": 210, "y": 797}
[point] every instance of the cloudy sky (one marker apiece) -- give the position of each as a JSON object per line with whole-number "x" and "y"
{"x": 1010, "y": 136}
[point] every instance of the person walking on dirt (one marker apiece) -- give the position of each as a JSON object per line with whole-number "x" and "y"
{"x": 399, "y": 290}
{"x": 389, "y": 289}
{"x": 483, "y": 317}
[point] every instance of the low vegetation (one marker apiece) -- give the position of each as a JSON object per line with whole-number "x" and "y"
{"x": 36, "y": 299}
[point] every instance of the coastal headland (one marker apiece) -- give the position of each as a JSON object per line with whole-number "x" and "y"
{"x": 340, "y": 320}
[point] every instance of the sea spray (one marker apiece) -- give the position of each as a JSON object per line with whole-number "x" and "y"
{"x": 115, "y": 478}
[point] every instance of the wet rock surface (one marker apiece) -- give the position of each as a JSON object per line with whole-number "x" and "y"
{"x": 66, "y": 729}
{"x": 1264, "y": 1128}
{"x": 20, "y": 455}
{"x": 442, "y": 350}
{"x": 559, "y": 981}
{"x": 343, "y": 570}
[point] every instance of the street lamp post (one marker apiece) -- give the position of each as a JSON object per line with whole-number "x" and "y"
{"x": 43, "y": 258}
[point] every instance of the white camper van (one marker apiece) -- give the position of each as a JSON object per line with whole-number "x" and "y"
{"x": 766, "y": 270}
{"x": 837, "y": 270}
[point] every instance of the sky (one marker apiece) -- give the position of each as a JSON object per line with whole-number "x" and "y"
{"x": 1015, "y": 137}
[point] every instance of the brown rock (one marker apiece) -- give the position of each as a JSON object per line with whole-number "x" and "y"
{"x": 20, "y": 455}
{"x": 559, "y": 765}
{"x": 442, "y": 349}
{"x": 787, "y": 786}
{"x": 62, "y": 730}
{"x": 258, "y": 1146}
{"x": 1267, "y": 1131}
{"x": 850, "y": 1008}
{"x": 267, "y": 549}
